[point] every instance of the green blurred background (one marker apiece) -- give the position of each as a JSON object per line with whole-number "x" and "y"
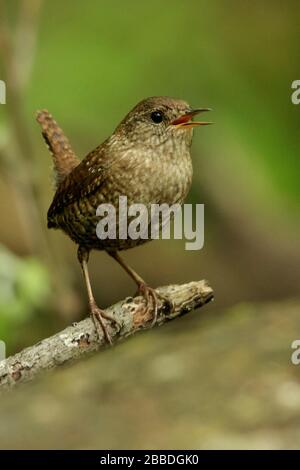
{"x": 89, "y": 63}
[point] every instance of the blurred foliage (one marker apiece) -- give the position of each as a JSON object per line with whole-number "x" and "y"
{"x": 24, "y": 286}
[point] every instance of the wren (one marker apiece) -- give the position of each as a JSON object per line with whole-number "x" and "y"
{"x": 147, "y": 159}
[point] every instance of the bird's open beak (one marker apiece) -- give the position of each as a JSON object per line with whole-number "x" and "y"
{"x": 185, "y": 121}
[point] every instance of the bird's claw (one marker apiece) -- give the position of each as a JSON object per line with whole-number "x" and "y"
{"x": 98, "y": 315}
{"x": 152, "y": 298}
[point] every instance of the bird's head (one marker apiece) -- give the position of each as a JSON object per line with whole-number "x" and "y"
{"x": 160, "y": 120}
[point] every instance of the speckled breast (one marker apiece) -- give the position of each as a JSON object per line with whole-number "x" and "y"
{"x": 152, "y": 179}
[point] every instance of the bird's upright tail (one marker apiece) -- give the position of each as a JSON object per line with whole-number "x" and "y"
{"x": 64, "y": 159}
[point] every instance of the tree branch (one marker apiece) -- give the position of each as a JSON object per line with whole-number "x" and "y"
{"x": 81, "y": 338}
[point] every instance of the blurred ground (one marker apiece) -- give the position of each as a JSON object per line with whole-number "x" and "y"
{"x": 222, "y": 380}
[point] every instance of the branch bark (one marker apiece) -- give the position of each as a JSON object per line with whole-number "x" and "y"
{"x": 81, "y": 338}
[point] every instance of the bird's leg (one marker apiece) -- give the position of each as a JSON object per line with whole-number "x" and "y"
{"x": 146, "y": 291}
{"x": 98, "y": 315}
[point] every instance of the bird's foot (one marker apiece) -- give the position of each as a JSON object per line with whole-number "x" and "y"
{"x": 99, "y": 316}
{"x": 152, "y": 298}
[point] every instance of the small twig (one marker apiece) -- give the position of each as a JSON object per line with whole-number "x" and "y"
{"x": 81, "y": 338}
{"x": 25, "y": 39}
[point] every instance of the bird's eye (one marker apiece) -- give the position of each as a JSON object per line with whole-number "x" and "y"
{"x": 157, "y": 116}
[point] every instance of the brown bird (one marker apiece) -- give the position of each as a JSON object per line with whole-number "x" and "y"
{"x": 147, "y": 159}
